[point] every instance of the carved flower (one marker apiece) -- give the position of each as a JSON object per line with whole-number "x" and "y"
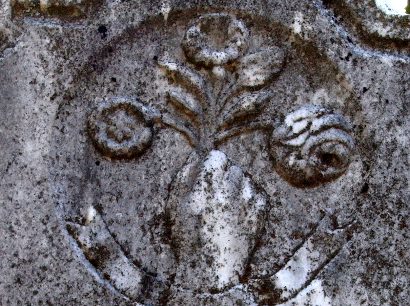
{"x": 121, "y": 128}
{"x": 258, "y": 68}
{"x": 313, "y": 146}
{"x": 215, "y": 39}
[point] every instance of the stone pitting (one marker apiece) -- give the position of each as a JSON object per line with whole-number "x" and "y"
{"x": 260, "y": 160}
{"x": 215, "y": 210}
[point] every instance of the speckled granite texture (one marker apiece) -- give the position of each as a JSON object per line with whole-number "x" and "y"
{"x": 204, "y": 153}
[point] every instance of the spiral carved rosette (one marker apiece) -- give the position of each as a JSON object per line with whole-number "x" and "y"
{"x": 313, "y": 146}
{"x": 121, "y": 127}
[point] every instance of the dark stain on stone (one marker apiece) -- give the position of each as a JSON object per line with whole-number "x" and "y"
{"x": 97, "y": 255}
{"x": 365, "y": 188}
{"x": 102, "y": 29}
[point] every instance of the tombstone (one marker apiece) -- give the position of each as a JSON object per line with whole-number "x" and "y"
{"x": 183, "y": 153}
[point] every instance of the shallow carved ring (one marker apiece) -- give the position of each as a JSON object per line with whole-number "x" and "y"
{"x": 121, "y": 128}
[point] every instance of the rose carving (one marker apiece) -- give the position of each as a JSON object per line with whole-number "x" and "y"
{"x": 121, "y": 128}
{"x": 312, "y": 146}
{"x": 215, "y": 39}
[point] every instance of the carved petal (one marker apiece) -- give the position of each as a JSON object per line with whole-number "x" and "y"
{"x": 216, "y": 222}
{"x": 183, "y": 100}
{"x": 258, "y": 68}
{"x": 186, "y": 77}
{"x": 245, "y": 105}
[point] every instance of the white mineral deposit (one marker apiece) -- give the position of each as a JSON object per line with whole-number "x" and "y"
{"x": 215, "y": 153}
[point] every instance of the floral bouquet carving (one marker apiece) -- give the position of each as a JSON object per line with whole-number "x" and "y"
{"x": 215, "y": 207}
{"x": 222, "y": 92}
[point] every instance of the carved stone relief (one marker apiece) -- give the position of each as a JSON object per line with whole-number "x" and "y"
{"x": 4, "y": 41}
{"x": 180, "y": 152}
{"x": 193, "y": 222}
{"x": 66, "y": 9}
{"x": 313, "y": 146}
{"x": 371, "y": 25}
{"x": 121, "y": 127}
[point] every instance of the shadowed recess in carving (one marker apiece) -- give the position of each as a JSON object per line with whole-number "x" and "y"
{"x": 5, "y": 40}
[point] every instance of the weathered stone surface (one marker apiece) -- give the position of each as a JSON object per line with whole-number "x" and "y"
{"x": 192, "y": 153}
{"x": 373, "y": 26}
{"x": 63, "y": 9}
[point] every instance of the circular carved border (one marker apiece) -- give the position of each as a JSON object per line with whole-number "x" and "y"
{"x": 373, "y": 27}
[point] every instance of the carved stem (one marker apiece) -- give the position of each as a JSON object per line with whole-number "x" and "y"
{"x": 210, "y": 114}
{"x": 225, "y": 135}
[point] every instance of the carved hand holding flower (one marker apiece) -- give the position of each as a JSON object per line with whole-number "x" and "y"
{"x": 220, "y": 92}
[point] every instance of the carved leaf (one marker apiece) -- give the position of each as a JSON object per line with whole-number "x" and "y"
{"x": 313, "y": 294}
{"x": 106, "y": 255}
{"x": 186, "y": 77}
{"x": 311, "y": 258}
{"x": 247, "y": 104}
{"x": 299, "y": 275}
{"x": 258, "y": 68}
{"x": 216, "y": 211}
{"x": 225, "y": 134}
{"x": 183, "y": 127}
{"x": 183, "y": 100}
